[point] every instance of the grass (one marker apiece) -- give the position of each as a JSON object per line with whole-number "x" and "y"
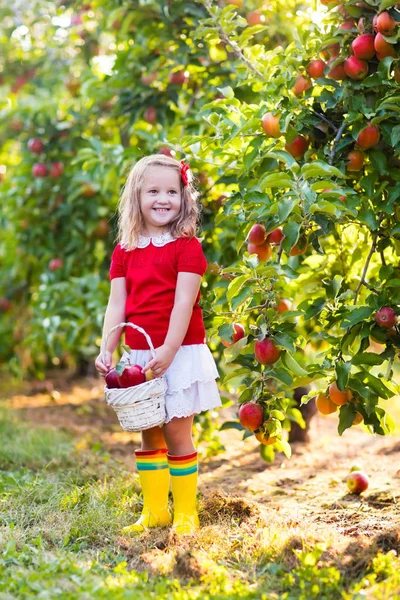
{"x": 62, "y": 507}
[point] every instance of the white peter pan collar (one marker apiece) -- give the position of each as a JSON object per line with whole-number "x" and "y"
{"x": 159, "y": 240}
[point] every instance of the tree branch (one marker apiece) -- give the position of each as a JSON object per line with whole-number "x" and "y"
{"x": 335, "y": 142}
{"x": 365, "y": 269}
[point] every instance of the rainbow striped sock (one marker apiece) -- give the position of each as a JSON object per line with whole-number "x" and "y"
{"x": 151, "y": 460}
{"x": 183, "y": 465}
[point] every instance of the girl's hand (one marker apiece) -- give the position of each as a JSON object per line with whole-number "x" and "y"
{"x": 164, "y": 357}
{"x": 103, "y": 363}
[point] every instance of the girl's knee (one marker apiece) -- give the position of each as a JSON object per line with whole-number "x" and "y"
{"x": 153, "y": 439}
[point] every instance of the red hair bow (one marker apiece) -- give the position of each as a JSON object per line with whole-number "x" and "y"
{"x": 185, "y": 169}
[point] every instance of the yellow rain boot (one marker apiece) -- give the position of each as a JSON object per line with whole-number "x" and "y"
{"x": 184, "y": 475}
{"x": 152, "y": 466}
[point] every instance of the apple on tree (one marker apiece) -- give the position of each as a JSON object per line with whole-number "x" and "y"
{"x": 275, "y": 237}
{"x": 55, "y": 264}
{"x": 238, "y": 333}
{"x": 386, "y": 317}
{"x": 266, "y": 352}
{"x": 251, "y": 415}
{"x": 35, "y": 145}
{"x": 368, "y": 137}
{"x": 263, "y": 251}
{"x": 257, "y": 234}
{"x": 270, "y": 124}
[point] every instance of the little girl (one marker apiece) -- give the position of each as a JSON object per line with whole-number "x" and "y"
{"x": 156, "y": 270}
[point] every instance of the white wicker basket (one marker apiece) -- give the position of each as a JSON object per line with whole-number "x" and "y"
{"x": 141, "y": 406}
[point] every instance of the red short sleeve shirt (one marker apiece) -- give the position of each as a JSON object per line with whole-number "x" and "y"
{"x": 151, "y": 274}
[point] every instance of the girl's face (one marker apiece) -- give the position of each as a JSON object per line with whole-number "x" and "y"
{"x": 160, "y": 199}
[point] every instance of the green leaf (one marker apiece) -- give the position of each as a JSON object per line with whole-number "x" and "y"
{"x": 233, "y": 351}
{"x": 356, "y": 316}
{"x": 275, "y": 180}
{"x": 231, "y": 425}
{"x": 267, "y": 453}
{"x": 378, "y": 387}
{"x": 314, "y": 308}
{"x": 282, "y": 375}
{"x": 285, "y": 207}
{"x": 395, "y": 135}
{"x": 235, "y": 285}
{"x": 277, "y": 414}
{"x": 283, "y": 446}
{"x": 245, "y": 293}
{"x": 347, "y": 414}
{"x": 342, "y": 374}
{"x": 386, "y": 4}
{"x": 292, "y": 365}
{"x": 367, "y": 358}
{"x": 320, "y": 169}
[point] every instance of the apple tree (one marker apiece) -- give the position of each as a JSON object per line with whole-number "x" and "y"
{"x": 312, "y": 178}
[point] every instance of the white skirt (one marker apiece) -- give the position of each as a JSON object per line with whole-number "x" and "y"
{"x": 190, "y": 377}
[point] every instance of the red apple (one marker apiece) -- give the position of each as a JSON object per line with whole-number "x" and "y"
{"x": 386, "y": 317}
{"x": 263, "y": 251}
{"x": 270, "y": 124}
{"x": 5, "y": 304}
{"x": 72, "y": 86}
{"x": 368, "y": 137}
{"x": 112, "y": 379}
{"x": 178, "y": 77}
{"x": 347, "y": 25}
{"x": 300, "y": 247}
{"x": 88, "y": 190}
{"x": 385, "y": 24}
{"x": 357, "y": 482}
{"x": 355, "y": 68}
{"x": 316, "y": 68}
{"x": 255, "y": 18}
{"x": 57, "y": 169}
{"x": 251, "y": 415}
{"x": 337, "y": 73}
{"x": 276, "y": 236}
{"x": 332, "y": 50}
{"x": 55, "y": 264}
{"x": 266, "y": 352}
{"x": 383, "y": 48}
{"x": 298, "y": 147}
{"x": 150, "y": 115}
{"x": 239, "y": 333}
{"x": 363, "y": 46}
{"x": 131, "y": 375}
{"x": 102, "y": 229}
{"x": 355, "y": 160}
{"x": 148, "y": 78}
{"x": 257, "y": 234}
{"x": 283, "y": 305}
{"x": 301, "y": 85}
{"x": 166, "y": 151}
{"x": 39, "y": 170}
{"x": 35, "y": 145}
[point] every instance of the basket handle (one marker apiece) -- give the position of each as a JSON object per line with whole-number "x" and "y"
{"x": 146, "y": 335}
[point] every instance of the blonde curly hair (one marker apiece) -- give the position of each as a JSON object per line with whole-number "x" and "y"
{"x": 130, "y": 218}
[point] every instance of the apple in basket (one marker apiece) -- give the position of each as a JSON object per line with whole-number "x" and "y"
{"x": 112, "y": 379}
{"x": 131, "y": 375}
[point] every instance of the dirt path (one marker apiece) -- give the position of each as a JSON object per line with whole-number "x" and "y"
{"x": 308, "y": 487}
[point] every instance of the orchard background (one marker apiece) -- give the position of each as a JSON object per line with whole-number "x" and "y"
{"x": 288, "y": 114}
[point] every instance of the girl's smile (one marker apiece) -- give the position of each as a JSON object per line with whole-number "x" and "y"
{"x": 160, "y": 199}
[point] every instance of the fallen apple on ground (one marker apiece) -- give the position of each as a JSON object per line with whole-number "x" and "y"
{"x": 357, "y": 482}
